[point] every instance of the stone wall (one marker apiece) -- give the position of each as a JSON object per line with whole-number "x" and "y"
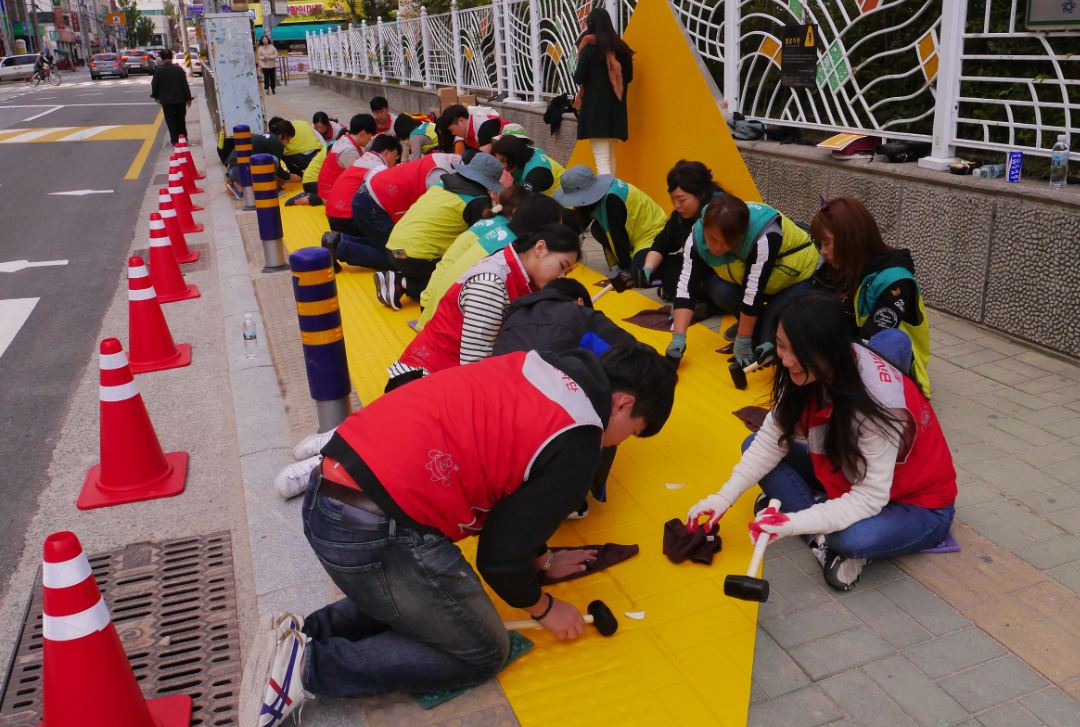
{"x": 1004, "y": 255}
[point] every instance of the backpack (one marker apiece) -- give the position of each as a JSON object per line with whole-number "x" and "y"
{"x": 744, "y": 129}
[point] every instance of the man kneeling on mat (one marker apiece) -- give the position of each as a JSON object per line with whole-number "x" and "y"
{"x": 447, "y": 457}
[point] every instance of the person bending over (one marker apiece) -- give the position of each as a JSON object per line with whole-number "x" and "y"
{"x": 417, "y": 133}
{"x": 529, "y": 165}
{"x": 875, "y": 477}
{"x": 417, "y": 470}
{"x": 329, "y": 129}
{"x": 301, "y": 142}
{"x": 327, "y": 166}
{"x": 467, "y": 130}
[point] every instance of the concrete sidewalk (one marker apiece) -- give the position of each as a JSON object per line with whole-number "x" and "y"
{"x": 987, "y": 636}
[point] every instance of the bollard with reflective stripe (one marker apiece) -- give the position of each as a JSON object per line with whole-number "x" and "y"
{"x": 320, "y": 333}
{"x": 268, "y": 210}
{"x": 242, "y": 137}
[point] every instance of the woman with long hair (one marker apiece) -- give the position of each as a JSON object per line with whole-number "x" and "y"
{"x": 875, "y": 478}
{"x": 877, "y": 284}
{"x": 604, "y": 71}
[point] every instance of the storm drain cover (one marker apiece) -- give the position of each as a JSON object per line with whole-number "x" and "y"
{"x": 174, "y": 606}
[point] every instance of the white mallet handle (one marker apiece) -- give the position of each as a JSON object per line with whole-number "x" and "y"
{"x": 604, "y": 291}
{"x": 759, "y": 546}
{"x": 528, "y": 623}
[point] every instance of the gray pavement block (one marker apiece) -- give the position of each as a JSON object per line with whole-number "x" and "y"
{"x": 1015, "y": 512}
{"x": 926, "y": 608}
{"x": 800, "y": 590}
{"x": 301, "y": 599}
{"x": 1043, "y": 384}
{"x": 808, "y": 707}
{"x": 1068, "y": 518}
{"x": 238, "y": 295}
{"x": 874, "y": 575}
{"x": 1058, "y": 504}
{"x": 814, "y": 623}
{"x": 757, "y": 692}
{"x": 1053, "y": 706}
{"x": 975, "y": 358}
{"x": 1031, "y": 401}
{"x": 1048, "y": 418}
{"x": 1042, "y": 361}
{"x": 919, "y": 697}
{"x": 1064, "y": 428}
{"x": 992, "y": 683}
{"x": 840, "y": 652}
{"x": 954, "y": 652}
{"x": 863, "y": 701}
{"x": 259, "y": 426}
{"x": 774, "y": 671}
{"x": 1027, "y": 432}
{"x": 1067, "y": 575}
{"x": 1001, "y": 344}
{"x": 973, "y": 493}
{"x": 495, "y": 715}
{"x": 1009, "y": 715}
{"x": 1009, "y": 475}
{"x": 988, "y": 524}
{"x": 1051, "y": 553}
{"x": 234, "y": 344}
{"x": 886, "y": 618}
{"x": 1067, "y": 472}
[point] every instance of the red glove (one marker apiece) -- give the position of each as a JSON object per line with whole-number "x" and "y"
{"x": 769, "y": 521}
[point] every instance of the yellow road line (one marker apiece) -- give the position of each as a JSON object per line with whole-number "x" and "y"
{"x": 137, "y": 163}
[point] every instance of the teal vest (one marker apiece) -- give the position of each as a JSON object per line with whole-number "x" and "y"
{"x": 620, "y": 189}
{"x": 761, "y": 215}
{"x": 493, "y": 234}
{"x": 466, "y": 198}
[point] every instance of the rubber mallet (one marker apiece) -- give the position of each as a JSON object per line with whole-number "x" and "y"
{"x": 603, "y": 291}
{"x": 599, "y": 615}
{"x": 738, "y": 373}
{"x": 749, "y": 587}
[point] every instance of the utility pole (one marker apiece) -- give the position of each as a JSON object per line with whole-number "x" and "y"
{"x": 32, "y": 4}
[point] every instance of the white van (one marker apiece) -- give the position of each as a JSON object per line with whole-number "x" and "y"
{"x": 16, "y": 68}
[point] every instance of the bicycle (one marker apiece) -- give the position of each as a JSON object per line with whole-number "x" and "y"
{"x": 53, "y": 77}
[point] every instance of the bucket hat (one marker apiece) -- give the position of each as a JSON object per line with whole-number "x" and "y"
{"x": 483, "y": 169}
{"x": 580, "y": 186}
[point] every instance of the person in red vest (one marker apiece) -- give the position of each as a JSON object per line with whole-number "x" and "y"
{"x": 345, "y": 151}
{"x": 503, "y": 449}
{"x": 875, "y": 479}
{"x": 384, "y": 119}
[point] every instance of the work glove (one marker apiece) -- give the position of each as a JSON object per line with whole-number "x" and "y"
{"x": 642, "y": 277}
{"x": 622, "y": 282}
{"x": 744, "y": 351}
{"x": 714, "y": 506}
{"x": 766, "y": 353}
{"x": 770, "y": 521}
{"x": 676, "y": 349}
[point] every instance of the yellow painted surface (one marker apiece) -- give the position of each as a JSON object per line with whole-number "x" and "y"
{"x": 692, "y": 654}
{"x": 674, "y": 112}
{"x": 146, "y": 133}
{"x": 139, "y": 161}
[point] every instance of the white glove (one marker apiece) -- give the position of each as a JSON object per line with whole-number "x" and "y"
{"x": 714, "y": 506}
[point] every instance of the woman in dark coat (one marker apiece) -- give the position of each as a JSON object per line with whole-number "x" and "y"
{"x": 604, "y": 70}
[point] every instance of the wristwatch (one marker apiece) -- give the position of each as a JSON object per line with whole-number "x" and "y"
{"x": 548, "y": 561}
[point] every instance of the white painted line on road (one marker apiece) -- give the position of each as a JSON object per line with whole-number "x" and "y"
{"x": 80, "y": 192}
{"x": 31, "y": 135}
{"x": 99, "y": 93}
{"x": 14, "y": 266}
{"x": 43, "y": 113}
{"x": 85, "y": 134}
{"x": 13, "y": 314}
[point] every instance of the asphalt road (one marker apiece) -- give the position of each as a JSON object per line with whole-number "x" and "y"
{"x": 49, "y": 352}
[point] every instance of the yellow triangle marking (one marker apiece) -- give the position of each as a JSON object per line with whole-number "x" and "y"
{"x": 809, "y": 36}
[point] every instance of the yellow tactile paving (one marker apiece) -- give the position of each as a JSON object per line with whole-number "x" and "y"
{"x": 692, "y": 654}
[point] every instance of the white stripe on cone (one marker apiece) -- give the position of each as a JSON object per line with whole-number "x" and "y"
{"x": 66, "y": 574}
{"x": 160, "y": 242}
{"x": 120, "y": 392}
{"x": 77, "y": 625}
{"x": 138, "y": 271}
{"x": 142, "y": 293}
{"x": 112, "y": 361}
{"x": 168, "y": 211}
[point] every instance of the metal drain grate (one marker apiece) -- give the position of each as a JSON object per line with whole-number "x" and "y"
{"x": 203, "y": 263}
{"x": 174, "y": 606}
{"x": 160, "y": 180}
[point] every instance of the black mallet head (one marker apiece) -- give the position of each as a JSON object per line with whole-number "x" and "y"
{"x": 738, "y": 376}
{"x": 603, "y": 619}
{"x": 747, "y": 588}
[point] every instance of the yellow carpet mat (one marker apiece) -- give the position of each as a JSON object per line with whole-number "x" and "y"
{"x": 690, "y": 655}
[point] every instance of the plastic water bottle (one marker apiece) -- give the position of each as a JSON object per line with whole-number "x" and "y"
{"x": 989, "y": 171}
{"x": 251, "y": 336}
{"x": 1059, "y": 163}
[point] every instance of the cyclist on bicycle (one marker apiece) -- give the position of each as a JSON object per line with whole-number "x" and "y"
{"x": 43, "y": 63}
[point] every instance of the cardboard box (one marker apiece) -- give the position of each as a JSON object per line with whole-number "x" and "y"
{"x": 467, "y": 99}
{"x": 447, "y": 97}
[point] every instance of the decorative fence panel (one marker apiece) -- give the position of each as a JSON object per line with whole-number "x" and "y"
{"x": 955, "y": 72}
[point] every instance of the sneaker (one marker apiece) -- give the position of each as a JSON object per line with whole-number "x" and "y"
{"x": 271, "y": 688}
{"x": 760, "y": 503}
{"x": 842, "y": 573}
{"x": 732, "y": 332}
{"x": 819, "y": 549}
{"x": 330, "y": 242}
{"x": 311, "y": 445}
{"x": 293, "y": 480}
{"x": 388, "y": 288}
{"x": 580, "y": 513}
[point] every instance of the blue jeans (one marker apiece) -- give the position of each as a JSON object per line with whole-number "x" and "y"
{"x": 728, "y": 298}
{"x": 358, "y": 251}
{"x": 371, "y": 218}
{"x": 898, "y": 529}
{"x": 414, "y": 618}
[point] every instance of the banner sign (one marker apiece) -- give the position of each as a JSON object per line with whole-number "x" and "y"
{"x": 798, "y": 60}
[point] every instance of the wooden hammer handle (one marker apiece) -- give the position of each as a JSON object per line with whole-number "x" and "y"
{"x": 528, "y": 623}
{"x": 604, "y": 291}
{"x": 759, "y": 546}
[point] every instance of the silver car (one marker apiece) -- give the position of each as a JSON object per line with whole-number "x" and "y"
{"x": 17, "y": 68}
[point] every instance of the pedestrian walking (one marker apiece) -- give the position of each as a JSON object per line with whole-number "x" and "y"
{"x": 268, "y": 56}
{"x": 604, "y": 71}
{"x": 170, "y": 89}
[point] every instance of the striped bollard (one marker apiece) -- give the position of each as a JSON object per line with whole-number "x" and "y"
{"x": 320, "y": 332}
{"x": 242, "y": 139}
{"x": 268, "y": 211}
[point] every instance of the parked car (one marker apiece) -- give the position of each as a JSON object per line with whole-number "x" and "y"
{"x": 107, "y": 64}
{"x": 16, "y": 68}
{"x": 196, "y": 63}
{"x": 137, "y": 61}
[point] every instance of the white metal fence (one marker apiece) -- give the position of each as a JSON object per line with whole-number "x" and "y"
{"x": 955, "y": 72}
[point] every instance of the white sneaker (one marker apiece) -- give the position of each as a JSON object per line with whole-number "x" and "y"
{"x": 293, "y": 480}
{"x": 819, "y": 549}
{"x": 312, "y": 444}
{"x": 271, "y": 688}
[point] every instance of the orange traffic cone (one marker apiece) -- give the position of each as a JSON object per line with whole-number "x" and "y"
{"x": 182, "y": 205}
{"x": 189, "y": 160}
{"x": 165, "y": 273}
{"x": 149, "y": 340}
{"x": 172, "y": 226}
{"x": 87, "y": 679}
{"x": 176, "y": 164}
{"x": 133, "y": 467}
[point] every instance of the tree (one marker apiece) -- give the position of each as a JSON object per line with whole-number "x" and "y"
{"x": 144, "y": 30}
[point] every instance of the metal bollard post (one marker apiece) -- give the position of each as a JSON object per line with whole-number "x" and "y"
{"x": 242, "y": 139}
{"x": 320, "y": 332}
{"x": 268, "y": 211}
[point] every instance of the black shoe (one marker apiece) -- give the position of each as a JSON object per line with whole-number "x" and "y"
{"x": 581, "y": 512}
{"x": 842, "y": 573}
{"x": 732, "y": 332}
{"x": 330, "y": 241}
{"x": 760, "y": 503}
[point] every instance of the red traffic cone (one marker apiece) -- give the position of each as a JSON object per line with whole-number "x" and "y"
{"x": 176, "y": 166}
{"x": 172, "y": 226}
{"x": 182, "y": 205}
{"x": 165, "y": 273}
{"x": 189, "y": 160}
{"x": 133, "y": 467}
{"x": 149, "y": 340}
{"x": 87, "y": 678}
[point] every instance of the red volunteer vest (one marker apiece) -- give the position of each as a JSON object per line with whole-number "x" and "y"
{"x": 339, "y": 202}
{"x": 924, "y": 473}
{"x": 397, "y": 188}
{"x": 438, "y": 345}
{"x": 331, "y": 170}
{"x": 461, "y": 441}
